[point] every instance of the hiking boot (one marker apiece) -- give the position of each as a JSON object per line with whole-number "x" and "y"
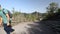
{"x": 12, "y": 30}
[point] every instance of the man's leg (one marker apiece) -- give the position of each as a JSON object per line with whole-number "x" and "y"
{"x": 7, "y": 30}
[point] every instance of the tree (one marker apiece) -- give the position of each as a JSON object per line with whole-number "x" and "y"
{"x": 52, "y": 8}
{"x": 59, "y": 10}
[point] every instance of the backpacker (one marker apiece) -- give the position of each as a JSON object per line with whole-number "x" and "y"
{"x": 10, "y": 15}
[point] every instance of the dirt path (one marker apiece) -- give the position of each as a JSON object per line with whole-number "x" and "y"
{"x": 22, "y": 28}
{"x": 19, "y": 29}
{"x": 30, "y": 28}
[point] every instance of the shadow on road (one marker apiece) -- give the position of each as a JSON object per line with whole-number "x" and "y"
{"x": 41, "y": 28}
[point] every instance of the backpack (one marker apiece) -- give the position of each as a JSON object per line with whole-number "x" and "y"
{"x": 9, "y": 13}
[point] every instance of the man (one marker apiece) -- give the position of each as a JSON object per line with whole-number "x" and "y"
{"x": 9, "y": 14}
{"x": 5, "y": 19}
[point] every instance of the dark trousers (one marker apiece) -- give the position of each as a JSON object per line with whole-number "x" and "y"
{"x": 8, "y": 29}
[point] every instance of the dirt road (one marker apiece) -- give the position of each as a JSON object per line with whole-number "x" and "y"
{"x": 30, "y": 28}
{"x": 19, "y": 29}
{"x": 22, "y": 28}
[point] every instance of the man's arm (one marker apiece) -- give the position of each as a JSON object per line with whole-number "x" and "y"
{"x": 8, "y": 16}
{"x": 8, "y": 19}
{"x": 0, "y": 21}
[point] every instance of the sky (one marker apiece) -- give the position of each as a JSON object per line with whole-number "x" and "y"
{"x": 27, "y": 6}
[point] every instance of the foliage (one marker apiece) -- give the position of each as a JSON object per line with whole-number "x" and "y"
{"x": 52, "y": 7}
{"x": 24, "y": 17}
{"x": 51, "y": 10}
